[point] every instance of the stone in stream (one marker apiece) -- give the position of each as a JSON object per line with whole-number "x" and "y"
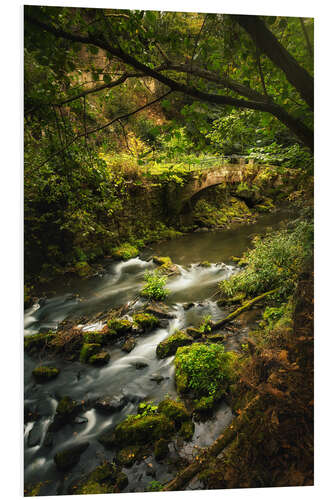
{"x": 70, "y": 456}
{"x": 67, "y": 411}
{"x": 139, "y": 365}
{"x": 169, "y": 346}
{"x": 188, "y": 306}
{"x": 35, "y": 435}
{"x": 111, "y": 404}
{"x": 45, "y": 373}
{"x": 129, "y": 344}
{"x": 101, "y": 358}
{"x": 160, "y": 310}
{"x": 157, "y": 378}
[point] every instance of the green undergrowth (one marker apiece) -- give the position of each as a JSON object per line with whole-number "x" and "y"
{"x": 275, "y": 261}
{"x": 155, "y": 285}
{"x": 205, "y": 371}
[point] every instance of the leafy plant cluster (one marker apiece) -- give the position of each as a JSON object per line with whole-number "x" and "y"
{"x": 207, "y": 367}
{"x": 155, "y": 285}
{"x": 275, "y": 262}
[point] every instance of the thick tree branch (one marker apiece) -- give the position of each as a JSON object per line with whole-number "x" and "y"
{"x": 269, "y": 45}
{"x": 300, "y": 130}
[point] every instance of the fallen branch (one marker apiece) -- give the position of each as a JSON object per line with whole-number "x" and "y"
{"x": 228, "y": 435}
{"x": 244, "y": 307}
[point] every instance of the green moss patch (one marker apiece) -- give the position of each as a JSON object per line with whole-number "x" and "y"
{"x": 89, "y": 350}
{"x": 33, "y": 343}
{"x": 106, "y": 478}
{"x": 120, "y": 326}
{"x": 83, "y": 269}
{"x": 146, "y": 321}
{"x": 204, "y": 370}
{"x": 125, "y": 251}
{"x": 45, "y": 373}
{"x": 174, "y": 410}
{"x": 187, "y": 430}
{"x": 101, "y": 358}
{"x": 127, "y": 456}
{"x": 161, "y": 449}
{"x": 139, "y": 429}
{"x": 169, "y": 346}
{"x": 166, "y": 266}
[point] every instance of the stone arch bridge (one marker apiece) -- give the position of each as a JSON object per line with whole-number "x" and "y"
{"x": 207, "y": 176}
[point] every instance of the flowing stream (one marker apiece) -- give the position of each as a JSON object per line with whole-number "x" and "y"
{"x": 120, "y": 378}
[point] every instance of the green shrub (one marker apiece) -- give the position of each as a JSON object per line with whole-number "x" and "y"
{"x": 155, "y": 286}
{"x": 275, "y": 262}
{"x": 206, "y": 370}
{"x": 125, "y": 252}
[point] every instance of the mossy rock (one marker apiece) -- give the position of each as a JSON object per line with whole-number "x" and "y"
{"x": 127, "y": 456}
{"x": 204, "y": 405}
{"x": 166, "y": 266}
{"x": 129, "y": 344}
{"x": 93, "y": 488}
{"x": 146, "y": 321}
{"x": 161, "y": 448}
{"x": 187, "y": 430}
{"x": 174, "y": 410}
{"x": 89, "y": 350}
{"x": 45, "y": 373}
{"x": 205, "y": 263}
{"x": 169, "y": 346}
{"x": 120, "y": 326}
{"x": 103, "y": 479}
{"x": 121, "y": 482}
{"x": 101, "y": 358}
{"x": 69, "y": 457}
{"x": 103, "y": 337}
{"x": 34, "y": 343}
{"x": 67, "y": 406}
{"x": 136, "y": 429}
{"x": 83, "y": 269}
{"x": 125, "y": 251}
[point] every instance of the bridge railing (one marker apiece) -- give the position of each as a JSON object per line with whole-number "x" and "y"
{"x": 210, "y": 162}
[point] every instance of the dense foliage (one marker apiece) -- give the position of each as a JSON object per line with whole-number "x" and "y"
{"x": 275, "y": 261}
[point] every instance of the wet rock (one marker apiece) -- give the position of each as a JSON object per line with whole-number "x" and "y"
{"x": 67, "y": 411}
{"x": 205, "y": 263}
{"x": 169, "y": 346}
{"x": 160, "y": 310}
{"x": 166, "y": 266}
{"x": 188, "y": 306}
{"x": 69, "y": 457}
{"x": 101, "y": 358}
{"x": 143, "y": 430}
{"x": 140, "y": 365}
{"x": 45, "y": 373}
{"x": 111, "y": 404}
{"x": 216, "y": 337}
{"x": 157, "y": 378}
{"x": 106, "y": 478}
{"x": 80, "y": 420}
{"x": 174, "y": 410}
{"x": 30, "y": 414}
{"x": 129, "y": 344}
{"x": 89, "y": 350}
{"x": 146, "y": 321}
{"x": 35, "y": 435}
{"x": 120, "y": 326}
